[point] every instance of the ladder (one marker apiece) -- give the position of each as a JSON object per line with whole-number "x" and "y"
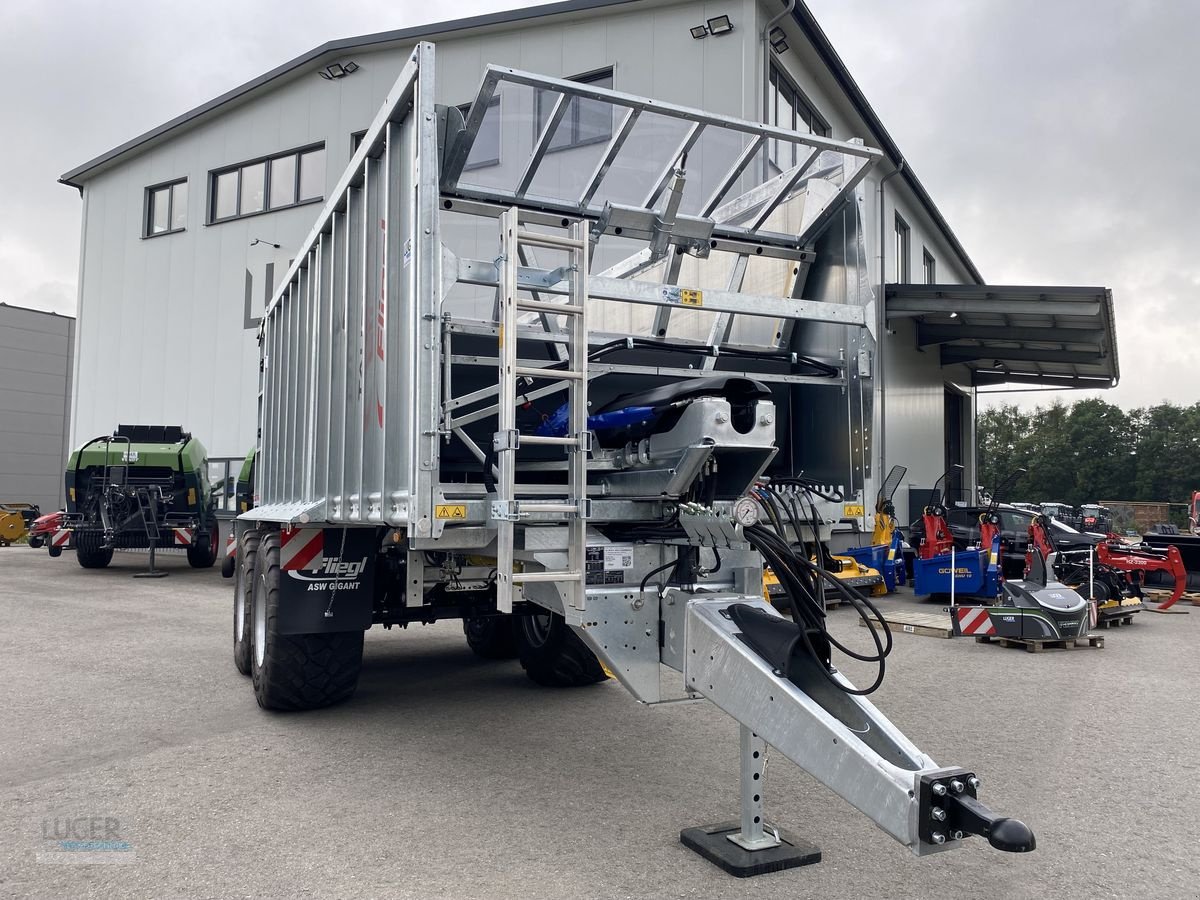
{"x": 507, "y": 508}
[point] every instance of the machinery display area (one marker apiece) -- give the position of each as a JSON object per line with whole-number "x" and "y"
{"x": 462, "y": 415}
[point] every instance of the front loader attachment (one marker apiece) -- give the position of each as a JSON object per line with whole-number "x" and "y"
{"x": 757, "y": 666}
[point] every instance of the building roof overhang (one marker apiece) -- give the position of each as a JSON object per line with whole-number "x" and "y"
{"x": 1061, "y": 337}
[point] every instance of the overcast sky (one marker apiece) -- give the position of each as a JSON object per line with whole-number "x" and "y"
{"x": 1058, "y": 137}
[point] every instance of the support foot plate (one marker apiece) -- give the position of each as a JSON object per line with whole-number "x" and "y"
{"x": 712, "y": 842}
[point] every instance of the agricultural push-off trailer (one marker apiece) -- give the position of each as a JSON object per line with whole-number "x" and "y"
{"x": 416, "y": 462}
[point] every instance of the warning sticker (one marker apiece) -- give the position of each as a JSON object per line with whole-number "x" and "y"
{"x": 452, "y": 511}
{"x": 682, "y": 296}
{"x": 852, "y": 510}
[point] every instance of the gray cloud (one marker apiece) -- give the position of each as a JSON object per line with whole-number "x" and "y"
{"x": 1056, "y": 137}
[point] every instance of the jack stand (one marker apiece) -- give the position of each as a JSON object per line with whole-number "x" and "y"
{"x": 151, "y": 572}
{"x": 750, "y": 847}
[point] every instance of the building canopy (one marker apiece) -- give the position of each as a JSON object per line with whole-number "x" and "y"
{"x": 1052, "y": 336}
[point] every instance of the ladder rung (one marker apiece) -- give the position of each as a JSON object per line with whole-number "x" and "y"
{"x": 545, "y": 439}
{"x": 527, "y": 577}
{"x": 538, "y": 239}
{"x": 554, "y": 309}
{"x": 550, "y": 374}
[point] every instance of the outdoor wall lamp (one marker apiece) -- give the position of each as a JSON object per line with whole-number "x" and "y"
{"x": 715, "y": 25}
{"x": 338, "y": 70}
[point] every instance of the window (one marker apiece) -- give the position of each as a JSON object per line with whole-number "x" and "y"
{"x": 356, "y": 139}
{"x": 485, "y": 151}
{"x": 902, "y": 234}
{"x": 166, "y": 208}
{"x": 585, "y": 121}
{"x": 929, "y": 264}
{"x": 266, "y": 184}
{"x": 788, "y": 108}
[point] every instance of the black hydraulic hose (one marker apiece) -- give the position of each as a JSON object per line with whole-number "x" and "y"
{"x": 667, "y": 565}
{"x": 794, "y": 573}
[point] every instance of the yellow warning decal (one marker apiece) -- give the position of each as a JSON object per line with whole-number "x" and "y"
{"x": 691, "y": 298}
{"x": 452, "y": 511}
{"x": 852, "y": 510}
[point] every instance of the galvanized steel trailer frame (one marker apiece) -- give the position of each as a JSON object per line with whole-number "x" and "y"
{"x": 355, "y": 404}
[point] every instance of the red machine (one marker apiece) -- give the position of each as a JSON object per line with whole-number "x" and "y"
{"x": 1138, "y": 559}
{"x": 936, "y": 537}
{"x": 1126, "y": 564}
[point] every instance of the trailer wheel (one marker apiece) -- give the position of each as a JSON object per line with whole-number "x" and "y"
{"x": 296, "y": 671}
{"x": 553, "y": 655}
{"x": 36, "y": 542}
{"x": 202, "y": 553}
{"x": 243, "y": 598}
{"x": 54, "y": 551}
{"x": 90, "y": 550}
{"x": 491, "y": 637}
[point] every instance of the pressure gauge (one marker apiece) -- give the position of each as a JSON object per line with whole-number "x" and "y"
{"x": 745, "y": 512}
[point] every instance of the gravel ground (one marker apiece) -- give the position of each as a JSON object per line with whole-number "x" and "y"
{"x": 447, "y": 776}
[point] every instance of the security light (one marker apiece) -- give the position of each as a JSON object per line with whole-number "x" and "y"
{"x": 720, "y": 25}
{"x": 779, "y": 46}
{"x": 778, "y": 39}
{"x": 338, "y": 70}
{"x": 699, "y": 31}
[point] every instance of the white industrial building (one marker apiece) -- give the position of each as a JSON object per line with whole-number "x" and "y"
{"x": 188, "y": 229}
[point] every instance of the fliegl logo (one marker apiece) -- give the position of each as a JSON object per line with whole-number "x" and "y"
{"x": 333, "y": 574}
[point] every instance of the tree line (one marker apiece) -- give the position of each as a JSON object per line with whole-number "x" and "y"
{"x": 1091, "y": 451}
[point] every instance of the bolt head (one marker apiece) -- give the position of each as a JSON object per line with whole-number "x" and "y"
{"x": 956, "y": 786}
{"x": 973, "y": 782}
{"x": 958, "y": 835}
{"x": 938, "y": 837}
{"x": 939, "y": 789}
{"x": 938, "y": 814}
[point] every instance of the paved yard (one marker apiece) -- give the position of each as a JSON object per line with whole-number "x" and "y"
{"x": 446, "y": 776}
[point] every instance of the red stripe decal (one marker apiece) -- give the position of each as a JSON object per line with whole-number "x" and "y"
{"x": 305, "y": 555}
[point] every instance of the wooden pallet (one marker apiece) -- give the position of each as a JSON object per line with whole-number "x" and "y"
{"x": 1158, "y": 595}
{"x": 927, "y": 624}
{"x": 1115, "y": 621}
{"x": 1037, "y": 645}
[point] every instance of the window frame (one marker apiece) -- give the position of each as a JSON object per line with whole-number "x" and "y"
{"x": 148, "y": 207}
{"x": 902, "y": 234}
{"x": 928, "y": 265}
{"x": 590, "y": 77}
{"x": 211, "y": 217}
{"x": 778, "y": 80}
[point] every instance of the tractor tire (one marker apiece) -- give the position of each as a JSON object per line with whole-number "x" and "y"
{"x": 491, "y": 637}
{"x": 90, "y": 550}
{"x": 296, "y": 671}
{"x": 54, "y": 552}
{"x": 203, "y": 552}
{"x": 243, "y": 598}
{"x": 36, "y": 542}
{"x": 552, "y": 654}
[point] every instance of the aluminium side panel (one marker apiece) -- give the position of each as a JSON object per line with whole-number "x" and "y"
{"x": 350, "y": 387}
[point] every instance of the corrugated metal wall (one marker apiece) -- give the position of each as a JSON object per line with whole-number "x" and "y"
{"x": 36, "y": 359}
